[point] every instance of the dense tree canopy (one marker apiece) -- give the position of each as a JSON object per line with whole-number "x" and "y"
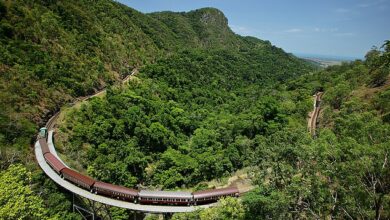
{"x": 17, "y": 200}
{"x": 183, "y": 121}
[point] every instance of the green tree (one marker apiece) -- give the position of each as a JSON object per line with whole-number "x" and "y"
{"x": 266, "y": 203}
{"x": 228, "y": 208}
{"x": 17, "y": 200}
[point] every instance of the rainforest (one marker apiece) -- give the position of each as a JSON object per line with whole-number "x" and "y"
{"x": 205, "y": 108}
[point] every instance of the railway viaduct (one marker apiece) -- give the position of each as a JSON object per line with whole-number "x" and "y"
{"x": 98, "y": 198}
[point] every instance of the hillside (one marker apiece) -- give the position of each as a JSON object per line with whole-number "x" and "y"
{"x": 55, "y": 51}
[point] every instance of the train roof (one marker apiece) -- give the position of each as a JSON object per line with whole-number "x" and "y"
{"x": 57, "y": 164}
{"x": 215, "y": 192}
{"x": 116, "y": 188}
{"x": 44, "y": 146}
{"x": 86, "y": 179}
{"x": 165, "y": 194}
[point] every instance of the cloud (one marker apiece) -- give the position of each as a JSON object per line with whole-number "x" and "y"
{"x": 345, "y": 34}
{"x": 293, "y": 30}
{"x": 325, "y": 30}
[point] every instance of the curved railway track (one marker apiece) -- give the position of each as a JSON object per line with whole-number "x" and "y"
{"x": 51, "y": 123}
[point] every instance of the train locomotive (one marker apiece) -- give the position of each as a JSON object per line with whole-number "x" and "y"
{"x": 128, "y": 194}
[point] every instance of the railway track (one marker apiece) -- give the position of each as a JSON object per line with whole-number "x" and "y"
{"x": 312, "y": 124}
{"x": 51, "y": 123}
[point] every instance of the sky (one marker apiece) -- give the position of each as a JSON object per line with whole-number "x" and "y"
{"x": 337, "y": 28}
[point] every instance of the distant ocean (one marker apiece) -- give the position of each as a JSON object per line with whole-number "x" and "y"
{"x": 327, "y": 57}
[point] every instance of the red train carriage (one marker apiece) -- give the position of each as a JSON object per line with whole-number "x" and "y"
{"x": 44, "y": 146}
{"x": 56, "y": 164}
{"x": 213, "y": 195}
{"x": 165, "y": 197}
{"x": 79, "y": 179}
{"x": 115, "y": 191}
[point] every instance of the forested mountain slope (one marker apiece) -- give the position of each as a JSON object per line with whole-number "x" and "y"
{"x": 54, "y": 51}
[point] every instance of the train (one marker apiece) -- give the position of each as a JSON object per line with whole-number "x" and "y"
{"x": 127, "y": 194}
